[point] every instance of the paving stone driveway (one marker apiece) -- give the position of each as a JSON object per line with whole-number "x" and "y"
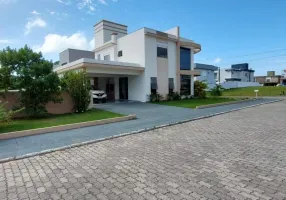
{"x": 149, "y": 115}
{"x": 239, "y": 155}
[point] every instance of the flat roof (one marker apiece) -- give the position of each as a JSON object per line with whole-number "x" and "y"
{"x": 99, "y": 62}
{"x": 109, "y": 22}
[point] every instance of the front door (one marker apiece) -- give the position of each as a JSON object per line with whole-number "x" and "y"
{"x": 110, "y": 89}
{"x": 123, "y": 88}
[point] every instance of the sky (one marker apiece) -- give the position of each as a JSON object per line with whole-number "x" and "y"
{"x": 229, "y": 31}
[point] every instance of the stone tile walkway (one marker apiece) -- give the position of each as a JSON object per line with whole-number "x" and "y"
{"x": 149, "y": 115}
{"x": 239, "y": 155}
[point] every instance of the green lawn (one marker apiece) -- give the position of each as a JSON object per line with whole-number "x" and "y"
{"x": 249, "y": 91}
{"x": 193, "y": 103}
{"x": 56, "y": 120}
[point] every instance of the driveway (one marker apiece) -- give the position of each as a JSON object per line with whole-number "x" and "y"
{"x": 149, "y": 115}
{"x": 238, "y": 155}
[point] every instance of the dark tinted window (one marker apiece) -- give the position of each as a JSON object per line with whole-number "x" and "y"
{"x": 185, "y": 85}
{"x": 185, "y": 59}
{"x": 120, "y": 53}
{"x": 162, "y": 52}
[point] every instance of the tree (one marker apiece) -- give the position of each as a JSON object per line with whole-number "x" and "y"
{"x": 217, "y": 91}
{"x": 33, "y": 76}
{"x": 77, "y": 84}
{"x": 200, "y": 89}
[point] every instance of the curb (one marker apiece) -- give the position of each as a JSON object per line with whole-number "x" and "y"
{"x": 225, "y": 103}
{"x": 51, "y": 129}
{"x": 129, "y": 133}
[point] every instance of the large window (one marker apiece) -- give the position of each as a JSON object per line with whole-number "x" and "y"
{"x": 185, "y": 59}
{"x": 154, "y": 85}
{"x": 185, "y": 85}
{"x": 162, "y": 52}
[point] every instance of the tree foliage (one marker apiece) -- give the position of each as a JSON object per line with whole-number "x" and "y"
{"x": 77, "y": 84}
{"x": 217, "y": 91}
{"x": 32, "y": 75}
{"x": 200, "y": 89}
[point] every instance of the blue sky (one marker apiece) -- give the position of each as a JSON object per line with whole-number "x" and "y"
{"x": 230, "y": 31}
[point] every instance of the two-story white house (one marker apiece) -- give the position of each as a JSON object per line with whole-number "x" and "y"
{"x": 237, "y": 73}
{"x": 207, "y": 74}
{"x": 133, "y": 65}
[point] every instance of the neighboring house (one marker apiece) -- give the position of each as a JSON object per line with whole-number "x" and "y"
{"x": 132, "y": 66}
{"x": 237, "y": 72}
{"x": 206, "y": 74}
{"x": 283, "y": 78}
{"x": 270, "y": 80}
{"x": 239, "y": 75}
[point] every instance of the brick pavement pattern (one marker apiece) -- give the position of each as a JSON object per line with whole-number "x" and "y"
{"x": 239, "y": 155}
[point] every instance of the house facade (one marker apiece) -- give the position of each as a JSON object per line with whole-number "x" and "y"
{"x": 132, "y": 66}
{"x": 270, "y": 80}
{"x": 237, "y": 73}
{"x": 207, "y": 74}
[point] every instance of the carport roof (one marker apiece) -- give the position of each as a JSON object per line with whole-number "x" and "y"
{"x": 100, "y": 64}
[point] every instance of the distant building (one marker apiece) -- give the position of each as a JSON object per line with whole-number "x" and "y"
{"x": 283, "y": 78}
{"x": 270, "y": 80}
{"x": 237, "y": 73}
{"x": 206, "y": 74}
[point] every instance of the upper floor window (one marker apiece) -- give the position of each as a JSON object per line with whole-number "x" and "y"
{"x": 98, "y": 57}
{"x": 120, "y": 53}
{"x": 185, "y": 58}
{"x": 162, "y": 52}
{"x": 107, "y": 57}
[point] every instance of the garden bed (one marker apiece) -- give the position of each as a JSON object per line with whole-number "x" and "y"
{"x": 193, "y": 103}
{"x": 57, "y": 120}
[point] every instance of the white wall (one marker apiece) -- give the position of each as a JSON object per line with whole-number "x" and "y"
{"x": 135, "y": 88}
{"x": 133, "y": 50}
{"x": 132, "y": 47}
{"x": 172, "y": 61}
{"x": 223, "y": 75}
{"x": 173, "y": 31}
{"x": 108, "y": 50}
{"x": 238, "y": 84}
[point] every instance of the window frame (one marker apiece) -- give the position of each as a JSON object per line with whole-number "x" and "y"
{"x": 162, "y": 54}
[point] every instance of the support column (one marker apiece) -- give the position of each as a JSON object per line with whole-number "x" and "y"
{"x": 192, "y": 76}
{"x": 178, "y": 75}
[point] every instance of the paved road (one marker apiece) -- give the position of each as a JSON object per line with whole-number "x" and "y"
{"x": 149, "y": 115}
{"x": 239, "y": 155}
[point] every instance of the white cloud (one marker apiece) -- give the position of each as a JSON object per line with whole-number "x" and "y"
{"x": 54, "y": 43}
{"x": 34, "y": 12}
{"x": 65, "y": 2}
{"x": 217, "y": 60}
{"x": 32, "y": 23}
{"x": 91, "y": 44}
{"x": 5, "y": 41}
{"x": 87, "y": 5}
{"x": 102, "y": 2}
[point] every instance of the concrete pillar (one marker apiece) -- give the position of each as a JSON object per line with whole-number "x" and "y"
{"x": 192, "y": 76}
{"x": 116, "y": 87}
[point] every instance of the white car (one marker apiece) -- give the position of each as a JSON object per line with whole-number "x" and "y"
{"x": 99, "y": 96}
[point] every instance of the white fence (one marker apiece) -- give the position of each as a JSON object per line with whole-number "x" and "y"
{"x": 237, "y": 84}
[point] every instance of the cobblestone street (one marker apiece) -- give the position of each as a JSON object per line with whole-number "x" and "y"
{"x": 239, "y": 155}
